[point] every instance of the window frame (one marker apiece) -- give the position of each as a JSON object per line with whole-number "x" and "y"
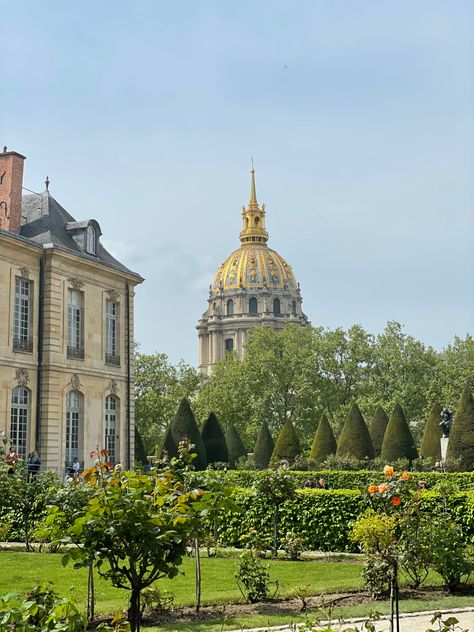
{"x": 111, "y": 427}
{"x": 23, "y": 315}
{"x": 75, "y": 324}
{"x": 253, "y": 301}
{"x": 20, "y": 415}
{"x": 91, "y": 240}
{"x": 74, "y": 427}
{"x": 112, "y": 332}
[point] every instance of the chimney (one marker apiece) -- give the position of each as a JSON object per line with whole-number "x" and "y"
{"x": 11, "y": 183}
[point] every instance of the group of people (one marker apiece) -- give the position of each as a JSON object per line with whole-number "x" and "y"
{"x": 33, "y": 462}
{"x": 321, "y": 484}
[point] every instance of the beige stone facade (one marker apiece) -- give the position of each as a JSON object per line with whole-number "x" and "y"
{"x": 66, "y": 338}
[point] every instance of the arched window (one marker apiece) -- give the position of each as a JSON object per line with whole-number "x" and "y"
{"x": 293, "y": 308}
{"x": 91, "y": 240}
{"x": 74, "y": 426}
{"x": 253, "y": 306}
{"x": 276, "y": 307}
{"x": 20, "y": 418}
{"x": 256, "y": 221}
{"x": 230, "y": 307}
{"x": 111, "y": 427}
{"x": 229, "y": 344}
{"x": 246, "y": 222}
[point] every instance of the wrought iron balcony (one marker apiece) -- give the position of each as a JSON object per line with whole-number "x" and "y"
{"x": 75, "y": 353}
{"x": 111, "y": 358}
{"x": 23, "y": 346}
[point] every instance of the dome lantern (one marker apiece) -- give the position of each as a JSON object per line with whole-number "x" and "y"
{"x": 253, "y": 218}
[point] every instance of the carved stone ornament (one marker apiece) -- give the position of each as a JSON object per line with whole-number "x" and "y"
{"x": 113, "y": 295}
{"x": 113, "y": 387}
{"x": 75, "y": 382}
{"x": 25, "y": 273}
{"x": 75, "y": 283}
{"x": 22, "y": 377}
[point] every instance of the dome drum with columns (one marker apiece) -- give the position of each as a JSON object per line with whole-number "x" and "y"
{"x": 254, "y": 287}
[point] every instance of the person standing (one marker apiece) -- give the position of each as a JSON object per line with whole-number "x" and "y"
{"x": 33, "y": 464}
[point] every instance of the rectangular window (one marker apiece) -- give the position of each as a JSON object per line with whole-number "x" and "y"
{"x": 75, "y": 324}
{"x": 22, "y": 318}
{"x": 112, "y": 352}
{"x": 19, "y": 420}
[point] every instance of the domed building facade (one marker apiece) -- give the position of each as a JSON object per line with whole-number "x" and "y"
{"x": 254, "y": 287}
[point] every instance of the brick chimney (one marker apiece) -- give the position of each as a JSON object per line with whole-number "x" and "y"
{"x": 11, "y": 183}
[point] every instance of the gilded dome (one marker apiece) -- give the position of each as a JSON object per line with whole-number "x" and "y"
{"x": 254, "y": 266}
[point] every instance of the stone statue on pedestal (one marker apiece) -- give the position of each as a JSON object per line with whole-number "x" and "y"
{"x": 446, "y": 421}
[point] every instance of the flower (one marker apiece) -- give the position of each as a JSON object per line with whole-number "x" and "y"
{"x": 382, "y": 488}
{"x": 395, "y": 501}
{"x": 372, "y": 489}
{"x": 388, "y": 470}
{"x": 405, "y": 476}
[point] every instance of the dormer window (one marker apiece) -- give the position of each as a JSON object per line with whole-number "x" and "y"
{"x": 91, "y": 240}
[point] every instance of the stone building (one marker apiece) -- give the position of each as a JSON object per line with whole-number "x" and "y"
{"x": 254, "y": 286}
{"x": 66, "y": 331}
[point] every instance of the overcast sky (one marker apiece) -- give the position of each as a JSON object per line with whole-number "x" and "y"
{"x": 359, "y": 115}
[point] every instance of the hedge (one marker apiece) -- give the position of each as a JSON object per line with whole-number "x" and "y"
{"x": 322, "y": 517}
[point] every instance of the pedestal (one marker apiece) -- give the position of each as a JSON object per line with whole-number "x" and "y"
{"x": 444, "y": 447}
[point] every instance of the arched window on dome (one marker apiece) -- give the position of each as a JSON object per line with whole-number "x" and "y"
{"x": 276, "y": 307}
{"x": 230, "y": 307}
{"x": 253, "y": 306}
{"x": 257, "y": 221}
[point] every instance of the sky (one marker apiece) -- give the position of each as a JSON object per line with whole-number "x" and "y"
{"x": 359, "y": 116}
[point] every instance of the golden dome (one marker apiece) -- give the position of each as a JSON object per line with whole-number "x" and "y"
{"x": 254, "y": 265}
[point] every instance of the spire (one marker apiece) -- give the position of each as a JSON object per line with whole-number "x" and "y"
{"x": 253, "y": 217}
{"x": 253, "y": 194}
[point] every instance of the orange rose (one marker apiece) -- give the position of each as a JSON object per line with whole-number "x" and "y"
{"x": 405, "y": 476}
{"x": 388, "y": 470}
{"x": 395, "y": 501}
{"x": 372, "y": 489}
{"x": 382, "y": 488}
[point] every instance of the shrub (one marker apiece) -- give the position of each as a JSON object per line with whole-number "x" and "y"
{"x": 169, "y": 444}
{"x": 378, "y": 428}
{"x": 140, "y": 453}
{"x": 398, "y": 441}
{"x": 252, "y": 577}
{"x": 355, "y": 439}
{"x": 324, "y": 443}
{"x": 431, "y": 446}
{"x": 184, "y": 425}
{"x": 461, "y": 437}
{"x": 293, "y": 545}
{"x": 263, "y": 450}
{"x": 287, "y": 446}
{"x": 234, "y": 445}
{"x": 450, "y": 555}
{"x": 214, "y": 441}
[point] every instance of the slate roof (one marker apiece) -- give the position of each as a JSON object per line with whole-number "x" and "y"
{"x": 45, "y": 221}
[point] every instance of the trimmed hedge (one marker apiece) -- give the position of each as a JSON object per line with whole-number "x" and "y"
{"x": 461, "y": 437}
{"x": 214, "y": 441}
{"x": 324, "y": 443}
{"x": 355, "y": 439}
{"x": 322, "y": 517}
{"x": 287, "y": 446}
{"x": 431, "y": 444}
{"x": 262, "y": 452}
{"x": 398, "y": 442}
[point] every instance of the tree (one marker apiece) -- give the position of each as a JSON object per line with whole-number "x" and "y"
{"x": 287, "y": 446}
{"x": 214, "y": 441}
{"x": 461, "y": 437}
{"x": 378, "y": 428}
{"x": 234, "y": 444}
{"x": 431, "y": 446}
{"x": 324, "y": 443}
{"x": 355, "y": 439}
{"x": 263, "y": 450}
{"x": 398, "y": 442}
{"x": 276, "y": 488}
{"x": 184, "y": 425}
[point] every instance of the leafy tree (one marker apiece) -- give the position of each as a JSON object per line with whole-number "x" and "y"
{"x": 159, "y": 387}
{"x": 398, "y": 442}
{"x": 324, "y": 443}
{"x": 461, "y": 437}
{"x": 276, "y": 488}
{"x": 214, "y": 441}
{"x": 263, "y": 450}
{"x": 355, "y": 439}
{"x": 377, "y": 429}
{"x": 455, "y": 369}
{"x": 184, "y": 425}
{"x": 287, "y": 446}
{"x": 431, "y": 446}
{"x": 234, "y": 444}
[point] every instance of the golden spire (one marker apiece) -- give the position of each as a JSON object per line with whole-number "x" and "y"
{"x": 253, "y": 194}
{"x": 253, "y": 217}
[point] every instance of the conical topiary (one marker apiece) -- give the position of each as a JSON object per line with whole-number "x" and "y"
{"x": 355, "y": 439}
{"x": 140, "y": 454}
{"x": 169, "y": 443}
{"x": 263, "y": 450}
{"x": 461, "y": 437}
{"x": 378, "y": 428}
{"x": 234, "y": 444}
{"x": 398, "y": 442}
{"x": 431, "y": 445}
{"x": 184, "y": 425}
{"x": 287, "y": 446}
{"x": 324, "y": 443}
{"x": 214, "y": 441}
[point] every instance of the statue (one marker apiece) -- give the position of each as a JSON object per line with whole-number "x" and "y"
{"x": 446, "y": 421}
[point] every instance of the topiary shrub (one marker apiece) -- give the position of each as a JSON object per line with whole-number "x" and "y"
{"x": 140, "y": 454}
{"x": 184, "y": 425}
{"x": 324, "y": 443}
{"x": 234, "y": 445}
{"x": 287, "y": 446}
{"x": 263, "y": 450}
{"x": 461, "y": 437}
{"x": 169, "y": 443}
{"x": 378, "y": 428}
{"x": 214, "y": 441}
{"x": 431, "y": 446}
{"x": 398, "y": 442}
{"x": 355, "y": 439}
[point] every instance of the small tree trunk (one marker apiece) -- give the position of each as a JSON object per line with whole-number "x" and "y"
{"x": 215, "y": 532}
{"x": 198, "y": 577}
{"x": 90, "y": 594}
{"x": 397, "y": 613}
{"x": 275, "y": 532}
{"x": 134, "y": 610}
